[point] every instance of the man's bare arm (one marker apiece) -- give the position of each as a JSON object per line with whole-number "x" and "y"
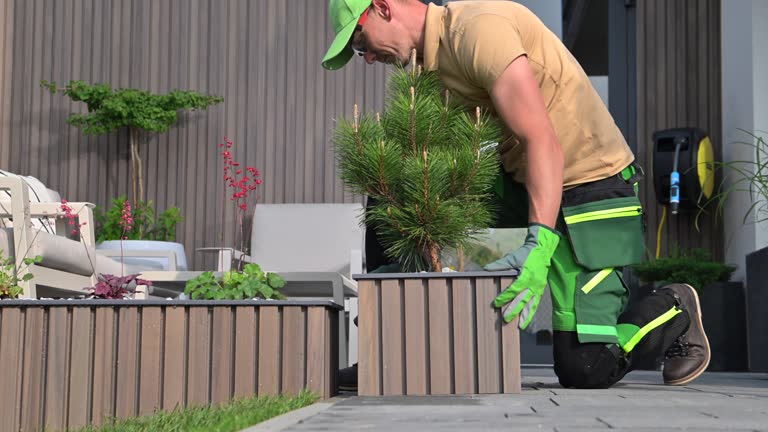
{"x": 520, "y": 105}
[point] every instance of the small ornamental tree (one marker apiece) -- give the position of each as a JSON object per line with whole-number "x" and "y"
{"x": 138, "y": 110}
{"x": 427, "y": 163}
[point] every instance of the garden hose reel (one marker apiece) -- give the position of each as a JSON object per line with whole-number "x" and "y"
{"x": 683, "y": 168}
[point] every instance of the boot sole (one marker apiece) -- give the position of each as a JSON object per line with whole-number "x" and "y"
{"x": 700, "y": 370}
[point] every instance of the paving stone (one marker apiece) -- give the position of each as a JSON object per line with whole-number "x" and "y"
{"x": 715, "y": 402}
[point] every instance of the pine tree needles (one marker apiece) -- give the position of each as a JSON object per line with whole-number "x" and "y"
{"x": 426, "y": 163}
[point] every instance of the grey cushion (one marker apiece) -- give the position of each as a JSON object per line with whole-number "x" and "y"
{"x": 61, "y": 253}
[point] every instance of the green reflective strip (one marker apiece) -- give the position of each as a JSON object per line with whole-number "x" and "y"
{"x": 668, "y": 315}
{"x": 596, "y": 279}
{"x": 596, "y": 329}
{"x": 604, "y": 214}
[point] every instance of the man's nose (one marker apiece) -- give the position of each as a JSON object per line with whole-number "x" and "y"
{"x": 370, "y": 57}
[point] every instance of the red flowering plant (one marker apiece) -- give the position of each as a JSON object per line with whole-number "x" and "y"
{"x": 244, "y": 281}
{"x": 242, "y": 184}
{"x": 108, "y": 286}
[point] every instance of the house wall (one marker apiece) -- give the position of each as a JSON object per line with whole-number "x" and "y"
{"x": 262, "y": 56}
{"x": 678, "y": 85}
{"x": 745, "y": 108}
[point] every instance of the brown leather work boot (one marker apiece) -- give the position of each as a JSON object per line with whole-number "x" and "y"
{"x": 688, "y": 357}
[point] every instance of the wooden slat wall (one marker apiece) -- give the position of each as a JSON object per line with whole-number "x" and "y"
{"x": 262, "y": 56}
{"x": 65, "y": 367}
{"x": 678, "y": 85}
{"x": 6, "y": 59}
{"x": 435, "y": 337}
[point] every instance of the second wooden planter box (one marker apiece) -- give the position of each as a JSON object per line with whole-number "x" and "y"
{"x": 435, "y": 334}
{"x": 71, "y": 363}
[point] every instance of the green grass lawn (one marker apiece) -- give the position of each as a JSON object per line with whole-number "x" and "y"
{"x": 233, "y": 416}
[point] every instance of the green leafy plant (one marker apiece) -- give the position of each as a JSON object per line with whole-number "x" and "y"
{"x": 428, "y": 164}
{"x": 146, "y": 223}
{"x": 249, "y": 283}
{"x": 695, "y": 268}
{"x": 745, "y": 176}
{"x": 139, "y": 111}
{"x": 9, "y": 280}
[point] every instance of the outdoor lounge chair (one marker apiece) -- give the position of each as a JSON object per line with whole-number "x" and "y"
{"x": 36, "y": 228}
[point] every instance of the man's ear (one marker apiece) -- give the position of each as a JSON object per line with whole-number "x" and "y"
{"x": 382, "y": 8}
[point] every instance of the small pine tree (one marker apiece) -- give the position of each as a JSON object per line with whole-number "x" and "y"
{"x": 427, "y": 163}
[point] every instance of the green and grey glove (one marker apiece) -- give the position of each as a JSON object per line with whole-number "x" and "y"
{"x": 532, "y": 259}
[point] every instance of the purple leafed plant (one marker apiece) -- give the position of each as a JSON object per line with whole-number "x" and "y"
{"x": 116, "y": 287}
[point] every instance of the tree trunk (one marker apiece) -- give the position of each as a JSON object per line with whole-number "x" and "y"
{"x": 433, "y": 254}
{"x": 134, "y": 167}
{"x": 137, "y": 174}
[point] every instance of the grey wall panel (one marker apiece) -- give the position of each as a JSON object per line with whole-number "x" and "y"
{"x": 678, "y": 85}
{"x": 262, "y": 56}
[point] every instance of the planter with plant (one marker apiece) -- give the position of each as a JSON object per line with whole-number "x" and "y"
{"x": 249, "y": 283}
{"x": 429, "y": 167}
{"x": 745, "y": 182}
{"x": 722, "y": 301}
{"x": 141, "y": 113}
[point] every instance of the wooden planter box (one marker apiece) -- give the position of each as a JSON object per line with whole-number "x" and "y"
{"x": 435, "y": 334}
{"x": 69, "y": 363}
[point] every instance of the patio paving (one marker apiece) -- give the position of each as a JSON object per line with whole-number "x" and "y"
{"x": 715, "y": 402}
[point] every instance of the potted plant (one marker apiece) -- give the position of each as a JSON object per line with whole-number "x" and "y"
{"x": 141, "y": 113}
{"x": 722, "y": 301}
{"x": 747, "y": 175}
{"x": 429, "y": 166}
{"x": 249, "y": 283}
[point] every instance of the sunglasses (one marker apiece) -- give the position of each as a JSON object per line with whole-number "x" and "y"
{"x": 359, "y": 46}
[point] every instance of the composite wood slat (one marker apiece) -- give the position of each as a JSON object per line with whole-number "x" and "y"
{"x": 150, "y": 362}
{"x": 246, "y": 341}
{"x": 57, "y": 369}
{"x": 199, "y": 356}
{"x": 174, "y": 358}
{"x": 392, "y": 337}
{"x": 222, "y": 351}
{"x": 488, "y": 327}
{"x": 464, "y": 329}
{"x": 440, "y": 374}
{"x": 105, "y": 340}
{"x": 34, "y": 369}
{"x": 11, "y": 355}
{"x": 318, "y": 335}
{"x": 415, "y": 338}
{"x": 80, "y": 368}
{"x": 293, "y": 357}
{"x": 127, "y": 363}
{"x": 269, "y": 351}
{"x": 510, "y": 348}
{"x": 369, "y": 381}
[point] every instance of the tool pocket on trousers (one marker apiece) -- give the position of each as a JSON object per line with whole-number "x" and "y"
{"x": 606, "y": 233}
{"x": 599, "y": 300}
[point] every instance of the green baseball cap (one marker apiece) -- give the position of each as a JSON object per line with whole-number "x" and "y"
{"x": 344, "y": 15}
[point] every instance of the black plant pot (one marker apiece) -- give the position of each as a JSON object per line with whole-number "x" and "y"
{"x": 723, "y": 311}
{"x": 757, "y": 310}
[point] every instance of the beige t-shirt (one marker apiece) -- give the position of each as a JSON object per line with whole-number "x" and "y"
{"x": 470, "y": 43}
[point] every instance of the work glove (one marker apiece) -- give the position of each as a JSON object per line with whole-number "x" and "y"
{"x": 532, "y": 260}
